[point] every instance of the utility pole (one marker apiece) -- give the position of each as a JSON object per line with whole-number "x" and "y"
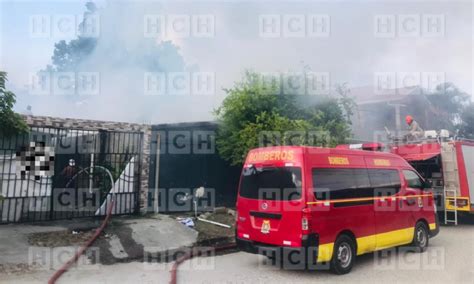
{"x": 397, "y": 106}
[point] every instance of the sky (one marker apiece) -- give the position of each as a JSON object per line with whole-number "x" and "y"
{"x": 353, "y": 42}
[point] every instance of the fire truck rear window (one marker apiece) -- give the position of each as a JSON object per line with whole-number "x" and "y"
{"x": 272, "y": 183}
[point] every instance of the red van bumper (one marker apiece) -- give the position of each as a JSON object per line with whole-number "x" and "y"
{"x": 303, "y": 257}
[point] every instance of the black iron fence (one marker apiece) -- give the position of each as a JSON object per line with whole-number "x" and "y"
{"x": 55, "y": 173}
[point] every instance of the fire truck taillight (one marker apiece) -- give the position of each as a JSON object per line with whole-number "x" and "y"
{"x": 305, "y": 220}
{"x": 461, "y": 202}
{"x": 304, "y": 224}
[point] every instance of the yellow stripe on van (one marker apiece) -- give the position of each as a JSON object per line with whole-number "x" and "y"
{"x": 394, "y": 238}
{"x": 374, "y": 242}
{"x": 365, "y": 244}
{"x": 325, "y": 252}
{"x": 366, "y": 199}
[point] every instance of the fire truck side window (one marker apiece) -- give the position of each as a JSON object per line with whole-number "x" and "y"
{"x": 384, "y": 182}
{"x": 341, "y": 183}
{"x": 413, "y": 180}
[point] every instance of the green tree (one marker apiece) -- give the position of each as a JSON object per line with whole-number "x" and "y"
{"x": 147, "y": 54}
{"x": 347, "y": 103}
{"x": 68, "y": 55}
{"x": 448, "y": 102}
{"x": 253, "y": 111}
{"x": 328, "y": 115}
{"x": 11, "y": 123}
{"x": 466, "y": 126}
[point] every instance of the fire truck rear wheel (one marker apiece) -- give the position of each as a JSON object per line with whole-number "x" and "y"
{"x": 343, "y": 255}
{"x": 421, "y": 238}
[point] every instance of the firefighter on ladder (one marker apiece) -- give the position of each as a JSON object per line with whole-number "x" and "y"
{"x": 415, "y": 131}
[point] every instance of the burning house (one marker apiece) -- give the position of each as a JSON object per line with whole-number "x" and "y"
{"x": 376, "y": 110}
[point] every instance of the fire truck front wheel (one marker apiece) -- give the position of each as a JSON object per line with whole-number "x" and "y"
{"x": 421, "y": 237}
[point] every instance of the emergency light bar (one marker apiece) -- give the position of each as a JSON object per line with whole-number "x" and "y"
{"x": 362, "y": 146}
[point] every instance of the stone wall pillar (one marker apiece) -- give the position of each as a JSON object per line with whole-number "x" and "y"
{"x": 145, "y": 170}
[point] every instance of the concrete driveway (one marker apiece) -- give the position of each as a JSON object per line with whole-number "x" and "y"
{"x": 126, "y": 239}
{"x": 449, "y": 259}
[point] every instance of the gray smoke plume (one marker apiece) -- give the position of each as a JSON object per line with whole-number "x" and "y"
{"x": 121, "y": 56}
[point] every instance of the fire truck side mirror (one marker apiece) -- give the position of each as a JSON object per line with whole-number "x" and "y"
{"x": 427, "y": 184}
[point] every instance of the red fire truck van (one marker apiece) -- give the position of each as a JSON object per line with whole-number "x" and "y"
{"x": 328, "y": 205}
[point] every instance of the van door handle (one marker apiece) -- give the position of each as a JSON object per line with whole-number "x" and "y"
{"x": 265, "y": 215}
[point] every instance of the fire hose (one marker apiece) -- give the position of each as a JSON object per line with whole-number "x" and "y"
{"x": 76, "y": 256}
{"x": 99, "y": 230}
{"x": 191, "y": 254}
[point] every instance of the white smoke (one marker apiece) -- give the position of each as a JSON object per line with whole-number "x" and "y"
{"x": 122, "y": 57}
{"x": 350, "y": 54}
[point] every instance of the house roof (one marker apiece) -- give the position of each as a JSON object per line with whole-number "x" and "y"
{"x": 371, "y": 95}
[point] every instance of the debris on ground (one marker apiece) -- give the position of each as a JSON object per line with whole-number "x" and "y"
{"x": 220, "y": 210}
{"x": 188, "y": 222}
{"x": 60, "y": 238}
{"x": 231, "y": 212}
{"x": 17, "y": 268}
{"x": 214, "y": 223}
{"x": 212, "y": 234}
{"x": 205, "y": 215}
{"x": 208, "y": 231}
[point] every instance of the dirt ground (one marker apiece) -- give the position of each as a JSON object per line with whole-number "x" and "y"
{"x": 61, "y": 238}
{"x": 17, "y": 268}
{"x": 209, "y": 231}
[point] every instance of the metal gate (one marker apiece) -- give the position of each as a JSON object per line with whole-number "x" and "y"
{"x": 78, "y": 183}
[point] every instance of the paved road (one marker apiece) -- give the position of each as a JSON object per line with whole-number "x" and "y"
{"x": 450, "y": 259}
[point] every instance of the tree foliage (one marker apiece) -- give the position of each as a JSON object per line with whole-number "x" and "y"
{"x": 113, "y": 51}
{"x": 449, "y": 103}
{"x": 347, "y": 103}
{"x": 11, "y": 123}
{"x": 68, "y": 55}
{"x": 454, "y": 109}
{"x": 253, "y": 115}
{"x": 466, "y": 126}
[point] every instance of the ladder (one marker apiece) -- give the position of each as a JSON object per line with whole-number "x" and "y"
{"x": 451, "y": 181}
{"x": 450, "y": 215}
